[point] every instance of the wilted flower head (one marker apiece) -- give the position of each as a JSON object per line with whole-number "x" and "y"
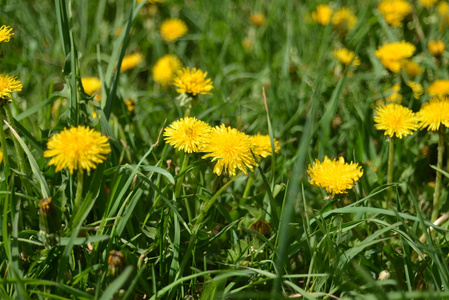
{"x": 336, "y": 176}
{"x": 8, "y": 85}
{"x": 188, "y": 134}
{"x": 192, "y": 81}
{"x": 344, "y": 20}
{"x": 394, "y": 11}
{"x": 322, "y": 15}
{"x": 77, "y": 148}
{"x": 165, "y": 69}
{"x": 394, "y": 55}
{"x": 5, "y": 34}
{"x": 434, "y": 113}
{"x": 346, "y": 56}
{"x": 173, "y": 29}
{"x": 396, "y": 120}
{"x": 91, "y": 85}
{"x": 439, "y": 88}
{"x": 230, "y": 149}
{"x": 261, "y": 145}
{"x": 436, "y": 47}
{"x": 131, "y": 61}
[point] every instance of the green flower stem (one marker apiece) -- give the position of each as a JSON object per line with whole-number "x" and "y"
{"x": 3, "y": 142}
{"x": 390, "y": 172}
{"x": 249, "y": 184}
{"x": 79, "y": 191}
{"x": 185, "y": 163}
{"x": 436, "y": 194}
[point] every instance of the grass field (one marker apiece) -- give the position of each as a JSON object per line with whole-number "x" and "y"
{"x": 107, "y": 193}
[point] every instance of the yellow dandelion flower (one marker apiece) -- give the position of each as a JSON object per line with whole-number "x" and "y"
{"x": 165, "y": 68}
{"x": 417, "y": 89}
{"x": 336, "y": 176}
{"x": 394, "y": 95}
{"x": 192, "y": 81}
{"x": 131, "y": 61}
{"x": 436, "y": 47}
{"x": 172, "y": 29}
{"x": 396, "y": 120}
{"x": 8, "y": 85}
{"x": 394, "y": 55}
{"x": 394, "y": 11}
{"x": 130, "y": 104}
{"x": 1, "y": 157}
{"x": 188, "y": 134}
{"x": 346, "y": 56}
{"x": 322, "y": 15}
{"x": 261, "y": 145}
{"x": 439, "y": 88}
{"x": 258, "y": 19}
{"x": 5, "y": 34}
{"x": 78, "y": 148}
{"x": 231, "y": 149}
{"x": 434, "y": 113}
{"x": 412, "y": 69}
{"x": 344, "y": 19}
{"x": 91, "y": 85}
{"x": 428, "y": 3}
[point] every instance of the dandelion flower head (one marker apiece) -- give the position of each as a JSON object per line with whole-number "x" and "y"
{"x": 394, "y": 11}
{"x": 344, "y": 19}
{"x": 261, "y": 145}
{"x": 8, "y": 85}
{"x": 396, "y": 120}
{"x": 336, "y": 176}
{"x": 5, "y": 34}
{"x": 131, "y": 61}
{"x": 322, "y": 15}
{"x": 91, "y": 85}
{"x": 231, "y": 149}
{"x": 434, "y": 113}
{"x": 412, "y": 69}
{"x": 394, "y": 55}
{"x": 439, "y": 88}
{"x": 165, "y": 68}
{"x": 417, "y": 89}
{"x": 78, "y": 148}
{"x": 188, "y": 134}
{"x": 436, "y": 47}
{"x": 172, "y": 29}
{"x": 192, "y": 81}
{"x": 258, "y": 19}
{"x": 346, "y": 56}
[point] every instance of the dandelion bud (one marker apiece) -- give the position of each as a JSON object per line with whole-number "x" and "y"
{"x": 48, "y": 220}
{"x": 117, "y": 263}
{"x": 384, "y": 275}
{"x": 262, "y": 227}
{"x": 436, "y": 47}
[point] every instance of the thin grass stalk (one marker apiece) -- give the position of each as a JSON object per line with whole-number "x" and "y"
{"x": 3, "y": 142}
{"x": 390, "y": 172}
{"x": 79, "y": 191}
{"x": 185, "y": 163}
{"x": 436, "y": 194}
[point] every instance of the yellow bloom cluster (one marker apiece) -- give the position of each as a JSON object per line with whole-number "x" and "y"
{"x": 336, "y": 176}
{"x": 394, "y": 11}
{"x": 172, "y": 29}
{"x": 436, "y": 47}
{"x": 439, "y": 88}
{"x": 258, "y": 19}
{"x": 228, "y": 147}
{"x": 394, "y": 55}
{"x": 344, "y": 20}
{"x": 91, "y": 85}
{"x": 434, "y": 113}
{"x": 346, "y": 56}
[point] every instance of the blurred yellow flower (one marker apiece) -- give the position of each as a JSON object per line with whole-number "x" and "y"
{"x": 394, "y": 95}
{"x": 165, "y": 68}
{"x": 188, "y": 134}
{"x": 1, "y": 157}
{"x": 428, "y": 3}
{"x": 131, "y": 61}
{"x": 436, "y": 47}
{"x": 336, "y": 176}
{"x": 396, "y": 120}
{"x": 8, "y": 85}
{"x": 412, "y": 69}
{"x": 130, "y": 104}
{"x": 192, "y": 81}
{"x": 346, "y": 56}
{"x": 443, "y": 11}
{"x": 173, "y": 29}
{"x": 344, "y": 20}
{"x": 5, "y": 34}
{"x": 439, "y": 88}
{"x": 91, "y": 85}
{"x": 258, "y": 19}
{"x": 322, "y": 15}
{"x": 394, "y": 11}
{"x": 394, "y": 55}
{"x": 434, "y": 113}
{"x": 261, "y": 145}
{"x": 417, "y": 89}
{"x": 231, "y": 149}
{"x": 77, "y": 148}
